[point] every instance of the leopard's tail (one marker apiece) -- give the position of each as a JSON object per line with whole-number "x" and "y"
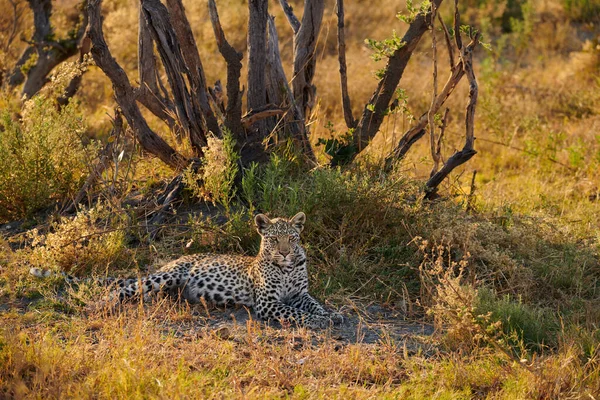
{"x": 47, "y": 273}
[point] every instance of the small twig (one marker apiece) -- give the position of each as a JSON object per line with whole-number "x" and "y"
{"x": 457, "y": 37}
{"x": 101, "y": 164}
{"x": 471, "y": 193}
{"x": 448, "y": 42}
{"x": 432, "y": 111}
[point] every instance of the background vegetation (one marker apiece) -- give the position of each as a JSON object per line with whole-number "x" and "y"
{"x": 507, "y": 269}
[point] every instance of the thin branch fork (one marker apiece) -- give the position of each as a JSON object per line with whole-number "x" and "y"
{"x": 464, "y": 155}
{"x": 375, "y": 110}
{"x": 417, "y": 131}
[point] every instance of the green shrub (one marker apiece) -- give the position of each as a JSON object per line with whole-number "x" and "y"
{"x": 42, "y": 157}
{"x": 533, "y": 325}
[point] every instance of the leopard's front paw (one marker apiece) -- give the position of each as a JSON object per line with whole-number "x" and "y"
{"x": 336, "y": 318}
{"x": 316, "y": 322}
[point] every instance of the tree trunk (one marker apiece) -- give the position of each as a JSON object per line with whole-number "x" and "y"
{"x": 257, "y": 47}
{"x": 192, "y": 60}
{"x": 125, "y": 94}
{"x": 233, "y": 58}
{"x": 305, "y": 45}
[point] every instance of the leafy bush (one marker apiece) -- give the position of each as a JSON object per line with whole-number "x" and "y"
{"x": 90, "y": 241}
{"x": 43, "y": 157}
{"x": 214, "y": 180}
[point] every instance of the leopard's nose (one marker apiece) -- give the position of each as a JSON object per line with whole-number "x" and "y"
{"x": 284, "y": 252}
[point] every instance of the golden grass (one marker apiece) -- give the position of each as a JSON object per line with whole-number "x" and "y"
{"x": 532, "y": 237}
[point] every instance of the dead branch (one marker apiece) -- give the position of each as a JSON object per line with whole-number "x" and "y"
{"x": 279, "y": 92}
{"x": 189, "y": 50}
{"x": 471, "y": 196}
{"x": 151, "y": 93}
{"x": 147, "y": 70}
{"x": 346, "y": 105}
{"x": 375, "y": 110}
{"x": 289, "y": 14}
{"x": 431, "y": 114}
{"x": 17, "y": 15}
{"x": 464, "y": 155}
{"x": 448, "y": 42}
{"x": 438, "y": 149}
{"x": 233, "y": 59}
{"x": 417, "y": 131}
{"x": 185, "y": 98}
{"x": 437, "y": 155}
{"x": 252, "y": 117}
{"x": 165, "y": 201}
{"x": 124, "y": 93}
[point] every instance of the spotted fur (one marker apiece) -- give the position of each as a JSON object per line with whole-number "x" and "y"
{"x": 274, "y": 283}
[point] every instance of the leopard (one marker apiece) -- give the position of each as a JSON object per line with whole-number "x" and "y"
{"x": 274, "y": 283}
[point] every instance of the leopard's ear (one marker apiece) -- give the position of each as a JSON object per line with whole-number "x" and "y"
{"x": 262, "y": 223}
{"x": 298, "y": 221}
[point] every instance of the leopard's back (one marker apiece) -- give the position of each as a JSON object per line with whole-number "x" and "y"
{"x": 218, "y": 278}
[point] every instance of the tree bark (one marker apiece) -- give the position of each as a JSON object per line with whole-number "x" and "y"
{"x": 194, "y": 64}
{"x": 187, "y": 106}
{"x": 257, "y": 46}
{"x": 233, "y": 59}
{"x": 305, "y": 45}
{"x": 124, "y": 93}
{"x": 151, "y": 93}
{"x": 280, "y": 94}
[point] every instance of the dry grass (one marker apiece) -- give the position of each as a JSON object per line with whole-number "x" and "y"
{"x": 511, "y": 285}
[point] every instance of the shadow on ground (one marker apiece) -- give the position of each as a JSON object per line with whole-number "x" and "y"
{"x": 370, "y": 324}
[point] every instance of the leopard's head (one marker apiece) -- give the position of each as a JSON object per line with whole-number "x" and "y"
{"x": 280, "y": 238}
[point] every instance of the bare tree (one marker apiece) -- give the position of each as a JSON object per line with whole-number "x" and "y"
{"x": 192, "y": 109}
